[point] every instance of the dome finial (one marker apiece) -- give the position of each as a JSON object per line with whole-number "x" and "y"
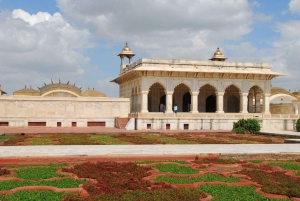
{"x": 218, "y": 56}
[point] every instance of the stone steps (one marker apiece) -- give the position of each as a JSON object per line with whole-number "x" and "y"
{"x": 121, "y": 122}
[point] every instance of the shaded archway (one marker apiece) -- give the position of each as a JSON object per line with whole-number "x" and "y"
{"x": 210, "y": 104}
{"x": 182, "y": 98}
{"x": 206, "y": 104}
{"x": 233, "y": 104}
{"x": 232, "y": 99}
{"x": 186, "y": 102}
{"x": 156, "y": 96}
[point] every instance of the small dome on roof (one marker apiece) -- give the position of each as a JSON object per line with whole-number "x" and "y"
{"x": 126, "y": 52}
{"x": 280, "y": 90}
{"x": 27, "y": 92}
{"x": 126, "y": 48}
{"x": 92, "y": 93}
{"x": 218, "y": 52}
{"x": 218, "y": 56}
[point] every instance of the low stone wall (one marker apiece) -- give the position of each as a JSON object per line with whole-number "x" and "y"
{"x": 23, "y": 111}
{"x": 209, "y": 121}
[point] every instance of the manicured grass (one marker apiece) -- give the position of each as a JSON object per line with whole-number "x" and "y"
{"x": 230, "y": 193}
{"x": 106, "y": 139}
{"x": 5, "y": 137}
{"x": 191, "y": 180}
{"x": 62, "y": 183}
{"x": 33, "y": 195}
{"x": 73, "y": 139}
{"x": 286, "y": 165}
{"x": 42, "y": 140}
{"x": 38, "y": 173}
{"x": 168, "y": 139}
{"x": 174, "y": 168}
{"x": 15, "y": 140}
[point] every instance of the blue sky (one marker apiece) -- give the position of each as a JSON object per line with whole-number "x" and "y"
{"x": 78, "y": 41}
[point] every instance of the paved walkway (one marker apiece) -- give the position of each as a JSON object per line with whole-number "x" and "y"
{"x": 139, "y": 150}
{"x": 146, "y": 150}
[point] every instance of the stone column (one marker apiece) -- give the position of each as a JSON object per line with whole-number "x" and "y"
{"x": 257, "y": 103}
{"x": 250, "y": 103}
{"x": 144, "y": 102}
{"x": 169, "y": 95}
{"x": 266, "y": 103}
{"x": 220, "y": 97}
{"x": 243, "y": 102}
{"x": 296, "y": 109}
{"x": 194, "y": 102}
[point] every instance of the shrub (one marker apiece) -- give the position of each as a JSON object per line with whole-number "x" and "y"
{"x": 244, "y": 126}
{"x": 298, "y": 125}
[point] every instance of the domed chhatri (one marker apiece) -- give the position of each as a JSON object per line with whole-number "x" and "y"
{"x": 126, "y": 48}
{"x": 126, "y": 52}
{"x": 218, "y": 56}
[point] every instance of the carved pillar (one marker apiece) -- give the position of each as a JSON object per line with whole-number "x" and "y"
{"x": 266, "y": 103}
{"x": 220, "y": 97}
{"x": 144, "y": 102}
{"x": 169, "y": 95}
{"x": 243, "y": 102}
{"x": 194, "y": 102}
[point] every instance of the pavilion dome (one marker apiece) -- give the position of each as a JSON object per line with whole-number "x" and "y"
{"x": 26, "y": 92}
{"x": 218, "y": 56}
{"x": 93, "y": 93}
{"x": 67, "y": 88}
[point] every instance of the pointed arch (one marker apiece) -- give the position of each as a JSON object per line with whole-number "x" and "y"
{"x": 155, "y": 97}
{"x": 232, "y": 99}
{"x": 207, "y": 98}
{"x": 182, "y": 97}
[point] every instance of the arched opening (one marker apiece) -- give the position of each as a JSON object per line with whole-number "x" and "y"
{"x": 232, "y": 100}
{"x": 255, "y": 100}
{"x": 186, "y": 102}
{"x": 207, "y": 99}
{"x": 233, "y": 104}
{"x": 182, "y": 98}
{"x": 162, "y": 101}
{"x": 210, "y": 104}
{"x": 156, "y": 96}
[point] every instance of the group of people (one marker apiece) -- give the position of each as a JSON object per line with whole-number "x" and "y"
{"x": 162, "y": 108}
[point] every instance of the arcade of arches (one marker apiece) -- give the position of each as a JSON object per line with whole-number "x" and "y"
{"x": 206, "y": 100}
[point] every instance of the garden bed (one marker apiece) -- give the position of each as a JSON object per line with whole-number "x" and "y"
{"x": 197, "y": 178}
{"x": 120, "y": 139}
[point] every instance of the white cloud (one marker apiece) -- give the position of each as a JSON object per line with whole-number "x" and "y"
{"x": 294, "y": 6}
{"x": 262, "y": 17}
{"x": 164, "y": 28}
{"x": 36, "y": 48}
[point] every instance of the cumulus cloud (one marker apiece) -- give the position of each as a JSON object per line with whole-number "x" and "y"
{"x": 38, "y": 47}
{"x": 294, "y": 6}
{"x": 164, "y": 28}
{"x": 262, "y": 17}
